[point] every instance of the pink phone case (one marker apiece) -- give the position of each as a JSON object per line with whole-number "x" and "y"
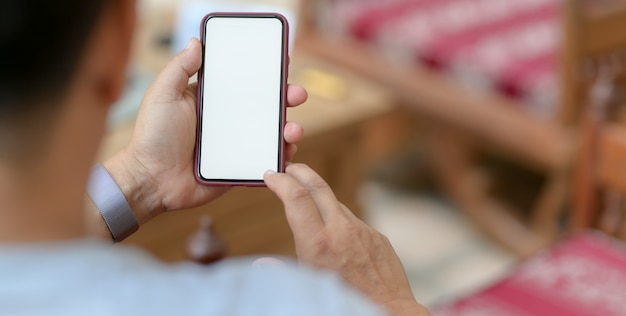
{"x": 283, "y": 112}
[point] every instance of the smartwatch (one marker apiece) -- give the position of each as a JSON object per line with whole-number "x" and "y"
{"x": 112, "y": 204}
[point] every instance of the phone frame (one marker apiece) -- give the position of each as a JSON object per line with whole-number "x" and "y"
{"x": 283, "y": 99}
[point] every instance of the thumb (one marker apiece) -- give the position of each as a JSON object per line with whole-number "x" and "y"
{"x": 173, "y": 79}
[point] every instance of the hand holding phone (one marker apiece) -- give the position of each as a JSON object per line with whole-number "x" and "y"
{"x": 242, "y": 88}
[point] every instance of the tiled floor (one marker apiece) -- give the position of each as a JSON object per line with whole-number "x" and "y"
{"x": 444, "y": 255}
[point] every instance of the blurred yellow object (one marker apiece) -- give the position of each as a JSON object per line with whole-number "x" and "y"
{"x": 322, "y": 84}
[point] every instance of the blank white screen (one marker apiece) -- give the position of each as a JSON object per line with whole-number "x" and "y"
{"x": 241, "y": 109}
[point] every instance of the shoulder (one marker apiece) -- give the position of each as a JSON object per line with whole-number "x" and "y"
{"x": 236, "y": 287}
{"x": 282, "y": 290}
{"x": 97, "y": 279}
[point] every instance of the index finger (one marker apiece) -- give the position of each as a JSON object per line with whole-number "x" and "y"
{"x": 300, "y": 208}
{"x": 318, "y": 189}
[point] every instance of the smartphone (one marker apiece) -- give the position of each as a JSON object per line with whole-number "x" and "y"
{"x": 242, "y": 95}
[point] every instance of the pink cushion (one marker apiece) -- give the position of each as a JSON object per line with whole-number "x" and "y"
{"x": 583, "y": 275}
{"x": 510, "y": 47}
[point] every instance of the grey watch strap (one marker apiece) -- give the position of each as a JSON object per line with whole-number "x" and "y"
{"x": 110, "y": 201}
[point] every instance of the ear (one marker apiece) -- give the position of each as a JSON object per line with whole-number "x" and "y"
{"x": 110, "y": 48}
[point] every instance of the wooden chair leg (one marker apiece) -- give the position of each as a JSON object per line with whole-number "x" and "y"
{"x": 550, "y": 205}
{"x": 612, "y": 217}
{"x": 451, "y": 163}
{"x": 584, "y": 196}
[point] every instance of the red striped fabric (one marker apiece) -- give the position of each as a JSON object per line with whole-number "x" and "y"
{"x": 584, "y": 275}
{"x": 509, "y": 47}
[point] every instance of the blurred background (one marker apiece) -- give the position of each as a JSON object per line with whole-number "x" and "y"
{"x": 467, "y": 131}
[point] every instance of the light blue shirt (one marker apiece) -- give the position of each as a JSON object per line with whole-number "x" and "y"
{"x": 95, "y": 278}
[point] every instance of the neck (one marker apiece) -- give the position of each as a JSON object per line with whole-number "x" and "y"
{"x": 32, "y": 210}
{"x": 43, "y": 198}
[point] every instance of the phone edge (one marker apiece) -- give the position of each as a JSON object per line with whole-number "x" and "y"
{"x": 283, "y": 119}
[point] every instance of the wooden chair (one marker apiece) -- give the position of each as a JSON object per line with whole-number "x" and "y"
{"x": 462, "y": 124}
{"x": 584, "y": 273}
{"x": 599, "y": 195}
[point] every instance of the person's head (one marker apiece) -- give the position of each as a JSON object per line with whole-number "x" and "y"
{"x": 62, "y": 64}
{"x": 53, "y": 54}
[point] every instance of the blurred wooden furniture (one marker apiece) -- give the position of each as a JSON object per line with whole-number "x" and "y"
{"x": 585, "y": 273}
{"x": 251, "y": 220}
{"x": 462, "y": 125}
{"x": 599, "y": 197}
{"x": 581, "y": 275}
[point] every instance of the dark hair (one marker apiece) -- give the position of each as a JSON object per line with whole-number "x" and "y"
{"x": 41, "y": 43}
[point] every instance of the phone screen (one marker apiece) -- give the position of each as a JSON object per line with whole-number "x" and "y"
{"x": 241, "y": 97}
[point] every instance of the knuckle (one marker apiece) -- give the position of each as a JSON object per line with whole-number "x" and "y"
{"x": 321, "y": 242}
{"x": 299, "y": 193}
{"x": 317, "y": 185}
{"x": 384, "y": 239}
{"x": 353, "y": 230}
{"x": 319, "y": 247}
{"x": 295, "y": 167}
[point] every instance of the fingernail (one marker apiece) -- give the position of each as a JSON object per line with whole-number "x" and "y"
{"x": 189, "y": 43}
{"x": 269, "y": 173}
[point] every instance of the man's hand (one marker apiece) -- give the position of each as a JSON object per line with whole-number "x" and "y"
{"x": 329, "y": 236}
{"x": 155, "y": 171}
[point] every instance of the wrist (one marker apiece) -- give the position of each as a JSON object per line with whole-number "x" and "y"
{"x": 136, "y": 184}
